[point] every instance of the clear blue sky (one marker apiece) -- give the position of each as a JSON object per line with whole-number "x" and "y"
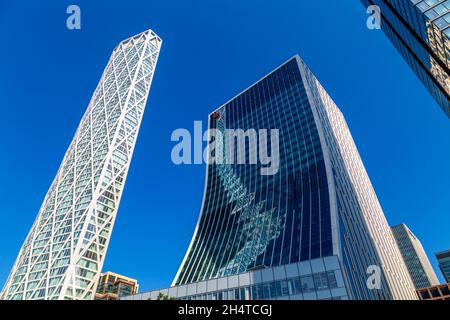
{"x": 211, "y": 51}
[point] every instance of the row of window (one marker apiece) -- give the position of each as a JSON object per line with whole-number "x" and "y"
{"x": 275, "y": 289}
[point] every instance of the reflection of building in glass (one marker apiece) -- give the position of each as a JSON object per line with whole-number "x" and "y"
{"x": 415, "y": 257}
{"x": 63, "y": 254}
{"x": 439, "y": 43}
{"x": 420, "y": 30}
{"x": 319, "y": 204}
{"x": 439, "y": 292}
{"x": 113, "y": 286}
{"x": 444, "y": 263}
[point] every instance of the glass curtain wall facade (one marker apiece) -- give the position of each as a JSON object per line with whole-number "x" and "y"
{"x": 415, "y": 257}
{"x": 420, "y": 30}
{"x": 63, "y": 254}
{"x": 318, "y": 279}
{"x": 444, "y": 264}
{"x": 320, "y": 202}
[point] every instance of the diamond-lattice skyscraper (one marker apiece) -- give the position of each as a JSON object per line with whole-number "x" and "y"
{"x": 420, "y": 30}
{"x": 319, "y": 206}
{"x": 63, "y": 254}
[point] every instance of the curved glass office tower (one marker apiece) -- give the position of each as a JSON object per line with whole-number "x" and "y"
{"x": 63, "y": 254}
{"x": 319, "y": 203}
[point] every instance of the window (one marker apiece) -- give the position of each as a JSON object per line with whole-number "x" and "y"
{"x": 321, "y": 281}
{"x": 307, "y": 284}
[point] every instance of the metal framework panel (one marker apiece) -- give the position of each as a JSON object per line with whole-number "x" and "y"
{"x": 64, "y": 252}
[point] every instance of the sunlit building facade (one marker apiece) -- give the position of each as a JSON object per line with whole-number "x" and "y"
{"x": 420, "y": 30}
{"x": 439, "y": 292}
{"x": 113, "y": 286}
{"x": 415, "y": 257}
{"x": 63, "y": 254}
{"x": 319, "y": 204}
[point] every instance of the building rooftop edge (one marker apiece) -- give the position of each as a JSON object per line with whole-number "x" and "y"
{"x": 443, "y": 252}
{"x": 296, "y": 56}
{"x": 119, "y": 276}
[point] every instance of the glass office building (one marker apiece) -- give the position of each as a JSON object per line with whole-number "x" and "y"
{"x": 63, "y": 254}
{"x": 420, "y": 30}
{"x": 444, "y": 263}
{"x": 320, "y": 203}
{"x": 415, "y": 257}
{"x": 317, "y": 279}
